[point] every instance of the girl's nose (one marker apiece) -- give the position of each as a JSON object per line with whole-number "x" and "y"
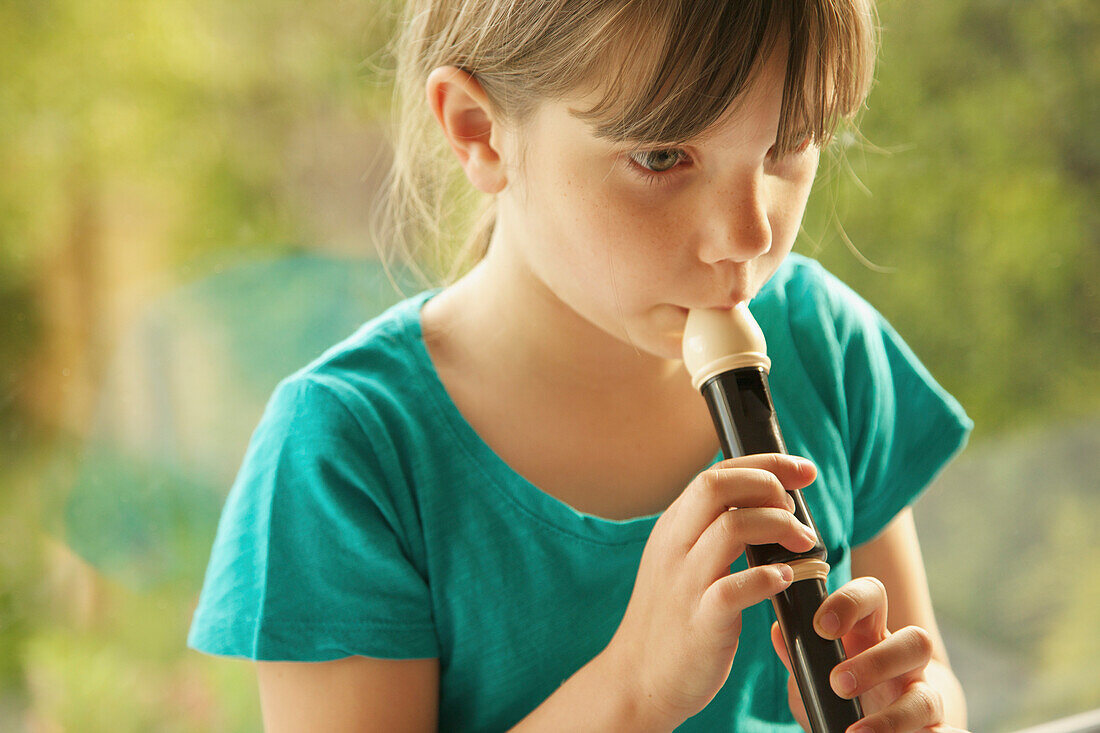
{"x": 737, "y": 223}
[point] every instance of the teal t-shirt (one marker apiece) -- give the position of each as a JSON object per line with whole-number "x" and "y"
{"x": 369, "y": 518}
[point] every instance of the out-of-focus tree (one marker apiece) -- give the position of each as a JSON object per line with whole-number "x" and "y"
{"x": 978, "y": 190}
{"x": 145, "y": 145}
{"x": 148, "y": 143}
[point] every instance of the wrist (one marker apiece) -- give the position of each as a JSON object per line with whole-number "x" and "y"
{"x": 632, "y": 705}
{"x": 598, "y": 697}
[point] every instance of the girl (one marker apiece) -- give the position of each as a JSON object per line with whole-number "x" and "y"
{"x": 500, "y": 503}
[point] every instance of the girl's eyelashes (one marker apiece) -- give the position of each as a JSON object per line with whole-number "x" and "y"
{"x": 653, "y": 162}
{"x": 659, "y": 165}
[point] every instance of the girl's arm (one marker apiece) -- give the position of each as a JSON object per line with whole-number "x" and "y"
{"x": 353, "y": 694}
{"x": 894, "y": 557}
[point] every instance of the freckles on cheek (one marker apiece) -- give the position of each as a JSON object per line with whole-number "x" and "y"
{"x": 633, "y": 235}
{"x": 642, "y": 216}
{"x": 604, "y": 223}
{"x": 786, "y": 217}
{"x": 570, "y": 222}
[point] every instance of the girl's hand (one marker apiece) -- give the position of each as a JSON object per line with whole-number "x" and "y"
{"x": 885, "y": 670}
{"x": 674, "y": 648}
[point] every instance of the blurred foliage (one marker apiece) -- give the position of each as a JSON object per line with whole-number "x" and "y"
{"x": 165, "y": 147}
{"x": 977, "y": 189}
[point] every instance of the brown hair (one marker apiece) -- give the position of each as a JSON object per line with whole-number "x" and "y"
{"x": 689, "y": 62}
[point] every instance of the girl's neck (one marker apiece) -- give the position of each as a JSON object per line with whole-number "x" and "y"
{"x": 512, "y": 359}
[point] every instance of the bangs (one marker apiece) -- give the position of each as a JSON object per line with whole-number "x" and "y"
{"x": 677, "y": 67}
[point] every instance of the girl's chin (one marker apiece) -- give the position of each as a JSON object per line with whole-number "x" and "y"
{"x": 658, "y": 343}
{"x": 670, "y": 332}
{"x": 674, "y": 350}
{"x": 659, "y": 334}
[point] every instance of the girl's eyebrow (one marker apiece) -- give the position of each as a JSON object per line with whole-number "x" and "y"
{"x": 636, "y": 144}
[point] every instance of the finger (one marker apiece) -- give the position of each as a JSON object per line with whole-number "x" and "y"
{"x": 918, "y": 707}
{"x": 898, "y": 656}
{"x": 793, "y": 471}
{"x": 725, "y": 539}
{"x": 720, "y": 606}
{"x": 757, "y": 480}
{"x": 857, "y": 612}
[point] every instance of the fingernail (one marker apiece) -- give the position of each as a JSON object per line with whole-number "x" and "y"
{"x": 786, "y": 573}
{"x": 829, "y": 624}
{"x": 844, "y": 683}
{"x": 805, "y": 465}
{"x": 860, "y": 729}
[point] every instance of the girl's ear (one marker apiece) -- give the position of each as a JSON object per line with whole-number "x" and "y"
{"x": 462, "y": 109}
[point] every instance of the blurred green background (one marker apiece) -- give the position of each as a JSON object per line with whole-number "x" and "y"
{"x": 184, "y": 219}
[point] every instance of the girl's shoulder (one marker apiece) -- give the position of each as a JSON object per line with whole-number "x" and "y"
{"x": 379, "y": 361}
{"x": 826, "y": 340}
{"x": 808, "y": 308}
{"x": 326, "y": 484}
{"x": 853, "y": 395}
{"x": 360, "y": 395}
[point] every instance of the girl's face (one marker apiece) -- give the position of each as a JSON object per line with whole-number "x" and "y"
{"x": 630, "y": 240}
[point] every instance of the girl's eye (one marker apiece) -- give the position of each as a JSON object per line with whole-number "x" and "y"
{"x": 658, "y": 161}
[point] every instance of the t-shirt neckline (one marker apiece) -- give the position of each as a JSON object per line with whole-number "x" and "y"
{"x": 514, "y": 487}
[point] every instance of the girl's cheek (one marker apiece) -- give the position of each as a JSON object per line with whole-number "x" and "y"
{"x": 640, "y": 225}
{"x": 616, "y": 209}
{"x": 649, "y": 208}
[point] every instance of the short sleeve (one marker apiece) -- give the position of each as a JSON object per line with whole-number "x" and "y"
{"x": 313, "y": 558}
{"x": 903, "y": 426}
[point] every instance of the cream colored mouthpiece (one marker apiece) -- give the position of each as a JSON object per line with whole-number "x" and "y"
{"x": 717, "y": 341}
